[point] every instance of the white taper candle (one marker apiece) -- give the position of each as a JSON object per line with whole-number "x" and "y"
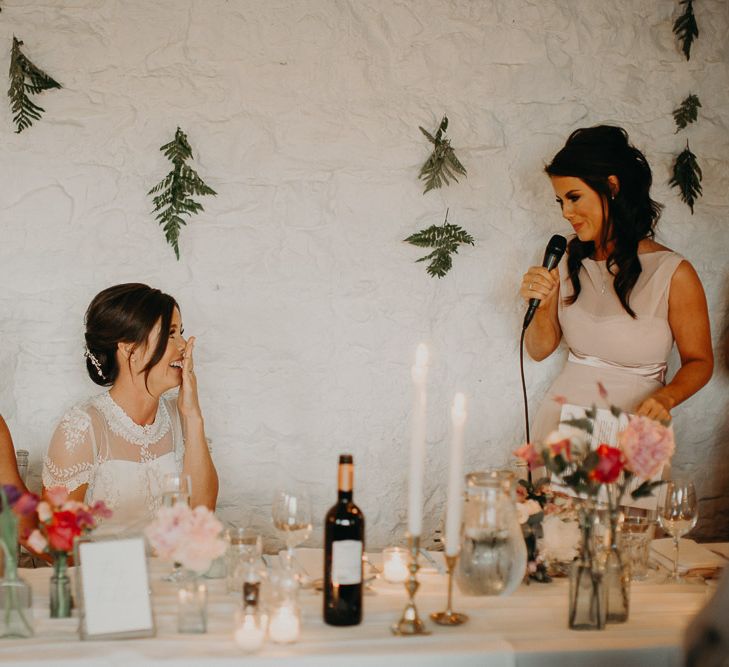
{"x": 454, "y": 512}
{"x": 419, "y": 374}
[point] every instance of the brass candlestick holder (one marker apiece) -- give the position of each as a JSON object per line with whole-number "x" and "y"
{"x": 449, "y": 617}
{"x": 410, "y": 623}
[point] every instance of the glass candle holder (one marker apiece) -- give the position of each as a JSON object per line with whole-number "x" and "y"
{"x": 250, "y": 629}
{"x": 192, "y": 607}
{"x": 395, "y": 562}
{"x": 284, "y": 626}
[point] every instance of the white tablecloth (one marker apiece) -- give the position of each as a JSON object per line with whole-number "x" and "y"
{"x": 528, "y": 628}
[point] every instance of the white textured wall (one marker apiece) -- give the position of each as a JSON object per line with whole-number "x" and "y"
{"x": 303, "y": 115}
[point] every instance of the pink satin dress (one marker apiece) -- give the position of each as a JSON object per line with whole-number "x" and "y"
{"x": 629, "y": 356}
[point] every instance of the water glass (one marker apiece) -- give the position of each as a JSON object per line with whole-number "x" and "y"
{"x": 244, "y": 550}
{"x": 637, "y": 534}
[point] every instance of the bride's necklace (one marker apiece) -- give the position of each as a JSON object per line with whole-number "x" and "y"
{"x": 604, "y": 272}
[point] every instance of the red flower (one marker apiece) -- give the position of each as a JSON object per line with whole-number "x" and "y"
{"x": 61, "y": 531}
{"x": 609, "y": 466}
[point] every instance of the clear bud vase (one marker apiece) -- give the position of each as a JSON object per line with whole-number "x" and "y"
{"x": 587, "y": 604}
{"x": 192, "y": 605}
{"x": 16, "y": 610}
{"x": 617, "y": 574}
{"x": 60, "y": 593}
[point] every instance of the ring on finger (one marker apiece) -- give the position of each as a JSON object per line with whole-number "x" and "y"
{"x": 529, "y": 286}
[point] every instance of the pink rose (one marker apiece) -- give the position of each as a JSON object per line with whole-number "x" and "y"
{"x": 57, "y": 495}
{"x": 529, "y": 454}
{"x": 37, "y": 542}
{"x": 44, "y": 511}
{"x": 647, "y": 446}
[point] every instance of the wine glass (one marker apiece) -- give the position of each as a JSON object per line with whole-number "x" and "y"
{"x": 176, "y": 488}
{"x": 291, "y": 512}
{"x": 678, "y": 516}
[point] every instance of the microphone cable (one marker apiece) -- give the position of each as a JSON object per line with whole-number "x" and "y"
{"x": 524, "y": 394}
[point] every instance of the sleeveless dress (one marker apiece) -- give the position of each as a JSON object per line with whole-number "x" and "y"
{"x": 123, "y": 463}
{"x": 629, "y": 356}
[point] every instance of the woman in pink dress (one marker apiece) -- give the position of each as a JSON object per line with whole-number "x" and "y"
{"x": 619, "y": 299}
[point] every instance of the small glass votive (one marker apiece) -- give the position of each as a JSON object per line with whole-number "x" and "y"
{"x": 192, "y": 607}
{"x": 284, "y": 626}
{"x": 395, "y": 562}
{"x": 245, "y": 547}
{"x": 637, "y": 534}
{"x": 250, "y": 630}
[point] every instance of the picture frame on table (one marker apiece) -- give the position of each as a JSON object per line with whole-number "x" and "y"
{"x": 112, "y": 588}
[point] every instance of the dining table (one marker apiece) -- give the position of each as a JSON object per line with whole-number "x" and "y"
{"x": 525, "y": 629}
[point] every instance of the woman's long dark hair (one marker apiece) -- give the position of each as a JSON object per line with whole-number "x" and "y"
{"x": 125, "y": 314}
{"x": 592, "y": 154}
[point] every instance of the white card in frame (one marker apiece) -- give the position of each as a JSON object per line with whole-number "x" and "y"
{"x": 112, "y": 588}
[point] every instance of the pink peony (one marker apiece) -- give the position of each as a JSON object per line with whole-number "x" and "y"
{"x": 647, "y": 446}
{"x": 187, "y": 536}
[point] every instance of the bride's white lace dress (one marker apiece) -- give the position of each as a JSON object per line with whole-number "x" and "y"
{"x": 123, "y": 463}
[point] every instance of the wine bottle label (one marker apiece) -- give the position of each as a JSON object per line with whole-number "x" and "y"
{"x": 347, "y": 562}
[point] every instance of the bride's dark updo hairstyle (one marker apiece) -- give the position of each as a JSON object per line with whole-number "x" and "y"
{"x": 592, "y": 154}
{"x": 125, "y": 314}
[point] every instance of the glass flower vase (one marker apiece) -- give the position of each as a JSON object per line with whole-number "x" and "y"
{"x": 587, "y": 603}
{"x": 617, "y": 573}
{"x": 16, "y": 610}
{"x": 60, "y": 592}
{"x": 192, "y": 604}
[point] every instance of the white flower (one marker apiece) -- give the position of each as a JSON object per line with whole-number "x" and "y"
{"x": 526, "y": 509}
{"x": 561, "y": 539}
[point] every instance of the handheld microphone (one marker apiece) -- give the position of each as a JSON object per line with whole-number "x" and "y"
{"x": 555, "y": 249}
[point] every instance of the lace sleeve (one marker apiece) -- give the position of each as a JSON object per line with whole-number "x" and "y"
{"x": 69, "y": 461}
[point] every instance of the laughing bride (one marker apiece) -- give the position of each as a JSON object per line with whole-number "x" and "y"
{"x": 118, "y": 445}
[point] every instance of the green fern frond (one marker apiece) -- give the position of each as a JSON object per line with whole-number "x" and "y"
{"x": 445, "y": 240}
{"x": 26, "y": 79}
{"x": 685, "y": 27}
{"x": 442, "y": 164}
{"x": 687, "y": 112}
{"x": 173, "y": 194}
{"x": 687, "y": 177}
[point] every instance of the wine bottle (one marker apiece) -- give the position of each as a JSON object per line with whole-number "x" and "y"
{"x": 344, "y": 530}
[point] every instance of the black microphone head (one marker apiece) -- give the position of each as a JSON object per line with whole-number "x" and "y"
{"x": 555, "y": 249}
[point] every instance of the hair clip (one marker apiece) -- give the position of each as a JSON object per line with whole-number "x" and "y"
{"x": 90, "y": 356}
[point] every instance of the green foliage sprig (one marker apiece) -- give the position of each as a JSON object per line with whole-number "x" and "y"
{"x": 445, "y": 239}
{"x": 687, "y": 177}
{"x": 176, "y": 190}
{"x": 685, "y": 27}
{"x": 687, "y": 112}
{"x": 442, "y": 163}
{"x": 26, "y": 79}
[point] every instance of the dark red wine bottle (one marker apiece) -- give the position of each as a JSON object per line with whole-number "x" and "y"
{"x": 344, "y": 532}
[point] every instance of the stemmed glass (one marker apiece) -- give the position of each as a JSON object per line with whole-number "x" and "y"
{"x": 176, "y": 488}
{"x": 291, "y": 512}
{"x": 678, "y": 516}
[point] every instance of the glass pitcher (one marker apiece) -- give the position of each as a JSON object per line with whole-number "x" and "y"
{"x": 493, "y": 554}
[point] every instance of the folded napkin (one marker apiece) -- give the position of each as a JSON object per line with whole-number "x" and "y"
{"x": 692, "y": 557}
{"x": 721, "y": 548}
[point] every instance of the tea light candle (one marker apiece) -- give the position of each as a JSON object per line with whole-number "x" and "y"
{"x": 395, "y": 564}
{"x": 250, "y": 633}
{"x": 285, "y": 625}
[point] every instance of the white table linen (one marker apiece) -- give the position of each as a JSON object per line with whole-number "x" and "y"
{"x": 528, "y": 628}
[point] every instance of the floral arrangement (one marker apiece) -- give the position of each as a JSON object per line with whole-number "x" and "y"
{"x": 14, "y": 504}
{"x": 61, "y": 520}
{"x": 644, "y": 447}
{"x": 549, "y": 525}
{"x": 187, "y": 536}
